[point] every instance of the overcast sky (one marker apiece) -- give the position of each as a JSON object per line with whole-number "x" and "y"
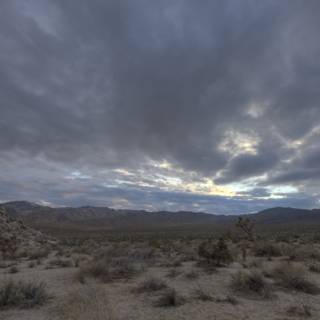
{"x": 173, "y": 104}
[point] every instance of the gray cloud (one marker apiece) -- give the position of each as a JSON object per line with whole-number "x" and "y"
{"x": 100, "y": 85}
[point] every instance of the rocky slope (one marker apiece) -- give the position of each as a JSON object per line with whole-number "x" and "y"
{"x": 16, "y": 237}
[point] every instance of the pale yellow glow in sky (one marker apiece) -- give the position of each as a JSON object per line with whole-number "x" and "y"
{"x": 236, "y": 143}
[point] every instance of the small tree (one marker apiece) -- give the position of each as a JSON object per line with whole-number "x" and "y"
{"x": 247, "y": 227}
{"x": 217, "y": 254}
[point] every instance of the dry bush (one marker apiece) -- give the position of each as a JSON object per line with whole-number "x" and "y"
{"x": 38, "y": 253}
{"x": 151, "y": 285}
{"x": 251, "y": 284}
{"x": 173, "y": 264}
{"x": 13, "y": 270}
{"x": 314, "y": 267}
{"x": 266, "y": 249}
{"x": 22, "y": 294}
{"x": 173, "y": 273}
{"x": 293, "y": 277}
{"x": 299, "y": 311}
{"x": 203, "y": 295}
{"x": 85, "y": 302}
{"x": 170, "y": 298}
{"x": 60, "y": 263}
{"x": 307, "y": 252}
{"x": 108, "y": 269}
{"x": 228, "y": 299}
{"x": 217, "y": 254}
{"x": 192, "y": 275}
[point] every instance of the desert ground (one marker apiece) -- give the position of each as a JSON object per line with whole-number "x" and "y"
{"x": 150, "y": 277}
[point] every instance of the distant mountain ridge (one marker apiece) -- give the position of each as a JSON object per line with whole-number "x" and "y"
{"x": 98, "y": 218}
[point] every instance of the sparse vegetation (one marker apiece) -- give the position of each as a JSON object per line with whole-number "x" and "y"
{"x": 22, "y": 294}
{"x": 170, "y": 298}
{"x": 85, "y": 302}
{"x": 293, "y": 277}
{"x": 217, "y": 254}
{"x": 303, "y": 311}
{"x": 251, "y": 284}
{"x": 107, "y": 269}
{"x": 266, "y": 249}
{"x": 151, "y": 285}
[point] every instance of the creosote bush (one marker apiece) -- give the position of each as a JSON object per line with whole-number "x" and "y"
{"x": 170, "y": 298}
{"x": 85, "y": 302}
{"x": 151, "y": 285}
{"x": 293, "y": 277}
{"x": 314, "y": 267}
{"x": 22, "y": 294}
{"x": 266, "y": 249}
{"x": 107, "y": 269}
{"x": 250, "y": 283}
{"x": 300, "y": 311}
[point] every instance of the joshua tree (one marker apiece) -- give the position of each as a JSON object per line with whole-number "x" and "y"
{"x": 246, "y": 226}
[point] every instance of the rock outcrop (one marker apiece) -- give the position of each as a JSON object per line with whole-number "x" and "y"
{"x": 16, "y": 237}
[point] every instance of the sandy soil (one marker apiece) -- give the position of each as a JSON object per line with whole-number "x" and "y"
{"x": 129, "y": 305}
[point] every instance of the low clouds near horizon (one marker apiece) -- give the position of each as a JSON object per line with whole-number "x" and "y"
{"x": 161, "y": 105}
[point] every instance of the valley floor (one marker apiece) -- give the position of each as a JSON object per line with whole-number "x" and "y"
{"x": 204, "y": 295}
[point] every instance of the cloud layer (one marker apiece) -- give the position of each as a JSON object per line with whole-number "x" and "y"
{"x": 209, "y": 106}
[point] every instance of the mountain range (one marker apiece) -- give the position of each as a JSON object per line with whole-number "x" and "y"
{"x": 104, "y": 218}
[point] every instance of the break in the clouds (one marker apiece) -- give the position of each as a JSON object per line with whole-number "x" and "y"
{"x": 175, "y": 105}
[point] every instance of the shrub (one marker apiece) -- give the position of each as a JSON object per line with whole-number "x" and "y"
{"x": 85, "y": 302}
{"x": 151, "y": 285}
{"x": 293, "y": 277}
{"x": 266, "y": 249}
{"x": 173, "y": 273}
{"x": 170, "y": 298}
{"x": 60, "y": 263}
{"x": 228, "y": 299}
{"x": 13, "y": 269}
{"x": 299, "y": 311}
{"x": 38, "y": 254}
{"x": 107, "y": 270}
{"x": 203, "y": 295}
{"x": 217, "y": 254}
{"x": 192, "y": 274}
{"x": 20, "y": 294}
{"x": 314, "y": 267}
{"x": 250, "y": 283}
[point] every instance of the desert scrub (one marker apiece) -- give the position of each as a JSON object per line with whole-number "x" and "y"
{"x": 217, "y": 254}
{"x": 107, "y": 269}
{"x": 151, "y": 285}
{"x": 301, "y": 311}
{"x": 203, "y": 295}
{"x": 266, "y": 249}
{"x": 85, "y": 302}
{"x": 251, "y": 284}
{"x": 170, "y": 298}
{"x": 13, "y": 270}
{"x": 38, "y": 254}
{"x": 192, "y": 275}
{"x": 22, "y": 294}
{"x": 314, "y": 267}
{"x": 59, "y": 263}
{"x": 293, "y": 277}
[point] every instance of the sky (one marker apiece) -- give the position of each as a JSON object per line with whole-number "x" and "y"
{"x": 209, "y": 105}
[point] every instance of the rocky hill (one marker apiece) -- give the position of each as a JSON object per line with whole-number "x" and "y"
{"x": 15, "y": 236}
